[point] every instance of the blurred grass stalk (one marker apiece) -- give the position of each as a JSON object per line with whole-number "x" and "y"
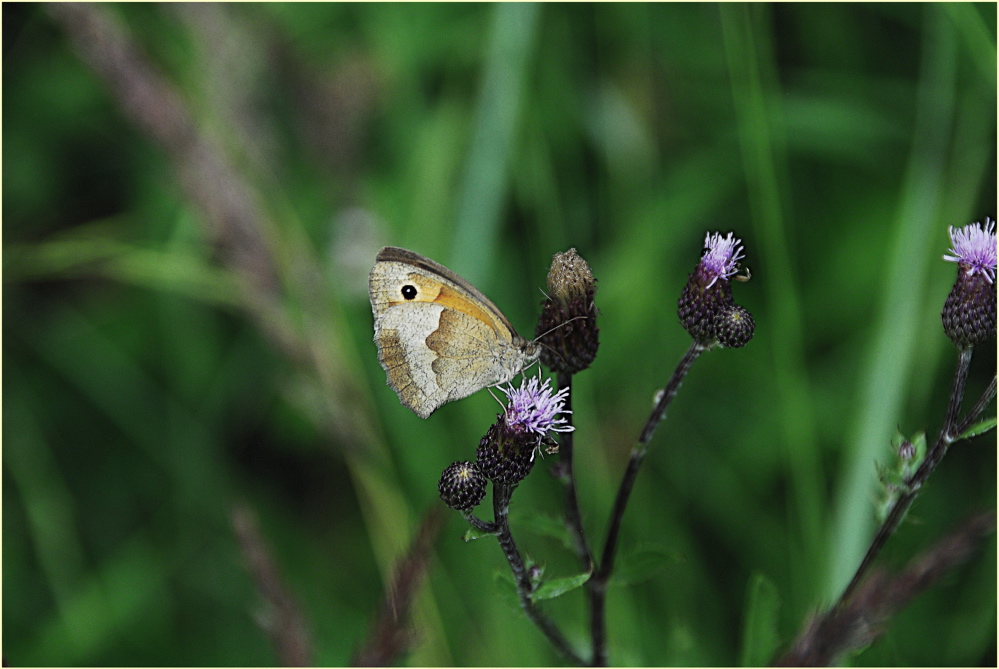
{"x": 756, "y": 96}
{"x": 890, "y": 359}
{"x": 275, "y": 267}
{"x": 69, "y": 256}
{"x": 486, "y": 175}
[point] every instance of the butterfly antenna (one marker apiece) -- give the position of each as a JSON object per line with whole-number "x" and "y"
{"x": 553, "y": 351}
{"x": 537, "y": 339}
{"x": 562, "y": 324}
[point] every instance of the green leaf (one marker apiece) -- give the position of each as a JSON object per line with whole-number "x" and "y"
{"x": 894, "y": 474}
{"x": 507, "y": 588}
{"x": 472, "y": 534}
{"x": 978, "y": 428}
{"x": 544, "y": 525}
{"x": 559, "y": 586}
{"x": 641, "y": 565}
{"x": 760, "y": 639}
{"x": 919, "y": 441}
{"x": 183, "y": 273}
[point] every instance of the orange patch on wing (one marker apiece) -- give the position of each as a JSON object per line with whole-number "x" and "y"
{"x": 452, "y": 299}
{"x": 439, "y": 293}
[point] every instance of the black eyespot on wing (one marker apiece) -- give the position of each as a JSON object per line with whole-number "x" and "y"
{"x": 408, "y": 291}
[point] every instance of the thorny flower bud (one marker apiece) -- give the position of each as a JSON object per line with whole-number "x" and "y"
{"x": 503, "y": 455}
{"x": 462, "y": 486}
{"x": 735, "y": 327}
{"x": 506, "y": 453}
{"x": 706, "y": 308}
{"x": 906, "y": 450}
{"x": 567, "y": 327}
{"x": 969, "y": 314}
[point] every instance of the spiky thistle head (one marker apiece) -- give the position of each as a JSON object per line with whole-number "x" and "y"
{"x": 706, "y": 308}
{"x": 567, "y": 327}
{"x": 969, "y": 313}
{"x": 462, "y": 485}
{"x": 533, "y": 412}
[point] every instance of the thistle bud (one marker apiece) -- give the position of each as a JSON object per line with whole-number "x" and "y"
{"x": 462, "y": 486}
{"x": 906, "y": 451}
{"x": 567, "y": 327}
{"x": 735, "y": 327}
{"x": 706, "y": 308}
{"x": 969, "y": 313}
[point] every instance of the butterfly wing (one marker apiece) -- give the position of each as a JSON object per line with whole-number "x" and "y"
{"x": 439, "y": 338}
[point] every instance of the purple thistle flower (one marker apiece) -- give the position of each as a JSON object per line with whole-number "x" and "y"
{"x": 969, "y": 313}
{"x": 506, "y": 454}
{"x": 974, "y": 247}
{"x": 534, "y": 408}
{"x": 706, "y": 309}
{"x": 721, "y": 257}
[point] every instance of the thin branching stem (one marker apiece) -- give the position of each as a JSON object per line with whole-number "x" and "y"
{"x": 525, "y": 590}
{"x": 918, "y": 478}
{"x": 479, "y": 524}
{"x": 598, "y": 584}
{"x": 573, "y": 519}
{"x": 977, "y": 410}
{"x": 957, "y": 392}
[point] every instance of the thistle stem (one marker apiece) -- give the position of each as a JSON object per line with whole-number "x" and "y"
{"x": 479, "y": 524}
{"x": 598, "y": 583}
{"x": 525, "y": 590}
{"x": 573, "y": 519}
{"x": 918, "y": 478}
{"x": 977, "y": 410}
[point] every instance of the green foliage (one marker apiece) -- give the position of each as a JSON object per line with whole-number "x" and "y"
{"x": 641, "y": 564}
{"x": 162, "y": 364}
{"x": 556, "y": 587}
{"x": 506, "y": 588}
{"x": 542, "y": 525}
{"x": 471, "y": 534}
{"x": 906, "y": 456}
{"x": 761, "y": 629}
{"x": 978, "y": 428}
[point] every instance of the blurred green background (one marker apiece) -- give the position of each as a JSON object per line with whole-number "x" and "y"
{"x": 164, "y": 360}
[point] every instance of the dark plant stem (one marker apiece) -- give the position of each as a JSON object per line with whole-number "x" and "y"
{"x": 598, "y": 583}
{"x": 479, "y": 524}
{"x": 525, "y": 589}
{"x": 977, "y": 410}
{"x": 957, "y": 392}
{"x": 859, "y": 621}
{"x": 918, "y": 478}
{"x": 573, "y": 519}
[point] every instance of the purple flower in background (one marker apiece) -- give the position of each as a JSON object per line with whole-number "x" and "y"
{"x": 969, "y": 314}
{"x": 706, "y": 309}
